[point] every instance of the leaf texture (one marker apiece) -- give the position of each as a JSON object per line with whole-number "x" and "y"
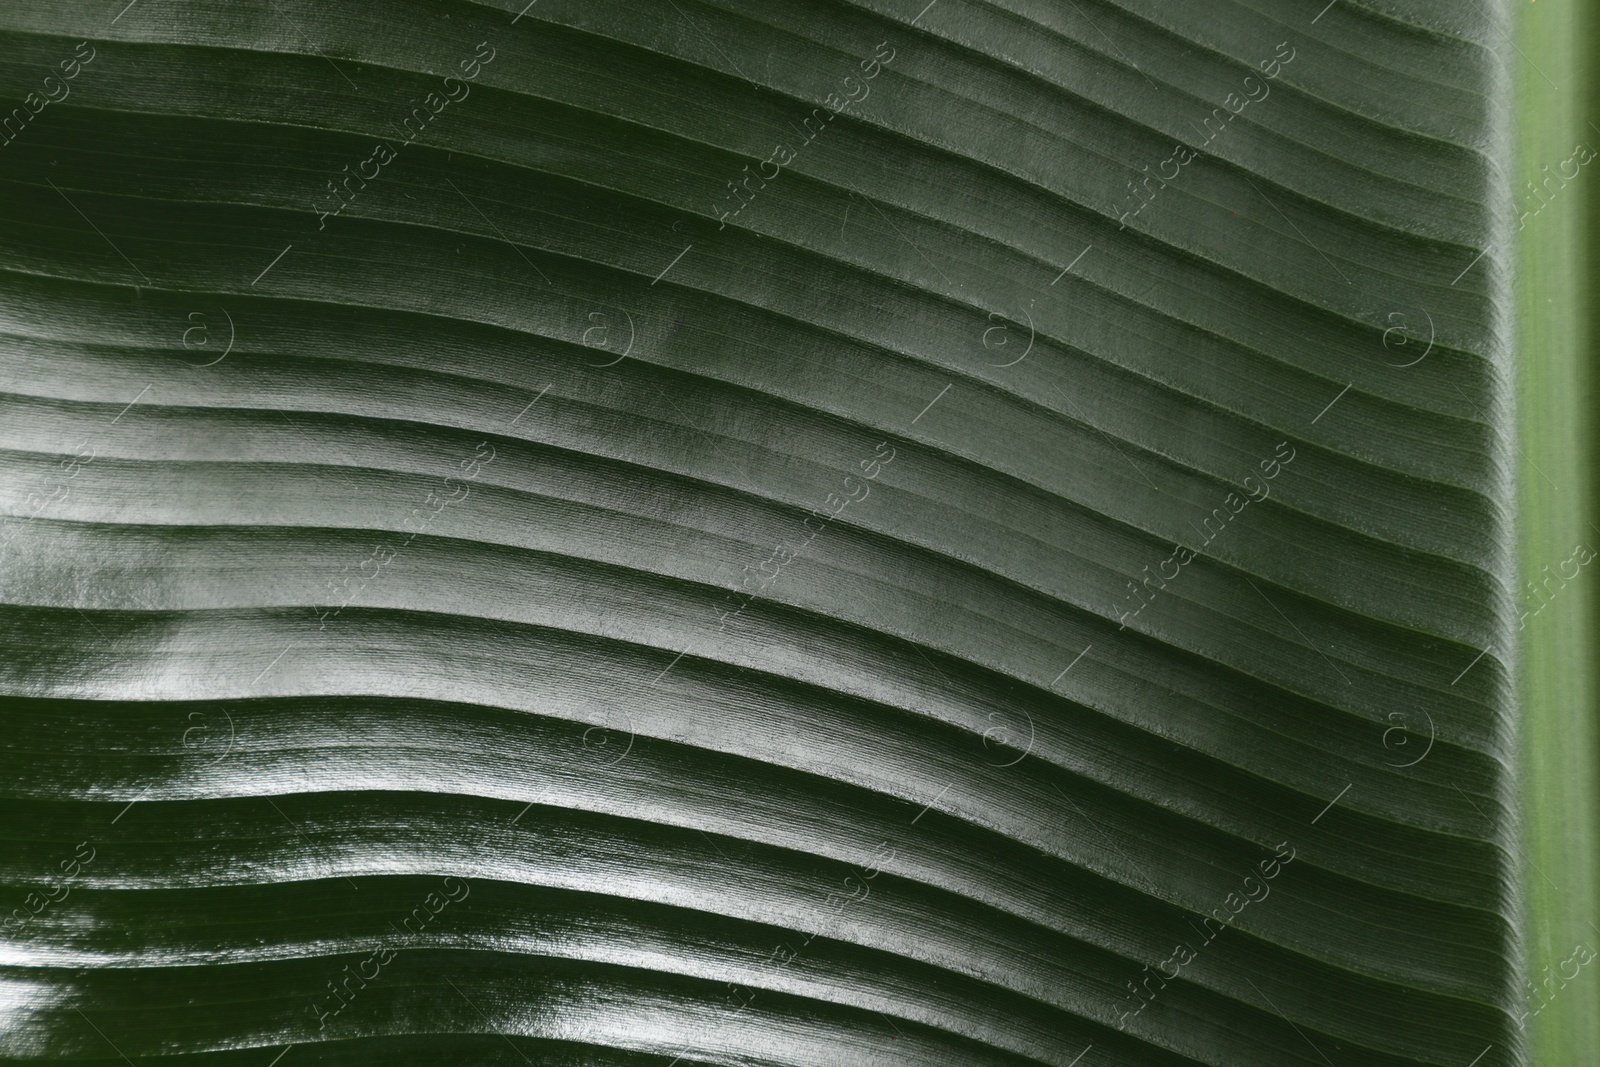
{"x": 494, "y": 573}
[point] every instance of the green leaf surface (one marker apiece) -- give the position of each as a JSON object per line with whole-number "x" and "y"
{"x": 916, "y": 605}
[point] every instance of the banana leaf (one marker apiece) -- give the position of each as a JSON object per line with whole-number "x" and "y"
{"x": 722, "y": 532}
